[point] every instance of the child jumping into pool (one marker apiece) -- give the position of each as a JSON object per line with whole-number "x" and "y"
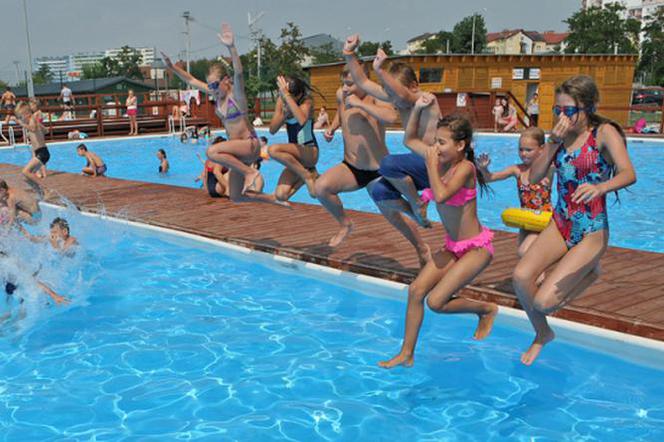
{"x": 468, "y": 249}
{"x": 21, "y": 206}
{"x": 362, "y": 119}
{"x": 40, "y": 152}
{"x": 94, "y": 166}
{"x": 295, "y": 108}
{"x": 59, "y": 236}
{"x": 532, "y": 196}
{"x": 395, "y": 193}
{"x": 242, "y": 148}
{"x": 590, "y": 156}
{"x": 163, "y": 162}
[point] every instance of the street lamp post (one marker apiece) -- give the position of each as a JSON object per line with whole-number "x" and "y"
{"x": 31, "y": 87}
{"x": 472, "y": 42}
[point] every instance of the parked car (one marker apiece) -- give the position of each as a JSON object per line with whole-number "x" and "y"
{"x": 651, "y": 95}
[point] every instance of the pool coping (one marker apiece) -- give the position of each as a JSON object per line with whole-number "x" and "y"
{"x": 640, "y": 350}
{"x": 640, "y": 139}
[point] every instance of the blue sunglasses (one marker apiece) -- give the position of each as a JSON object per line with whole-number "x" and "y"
{"x": 214, "y": 85}
{"x": 570, "y": 111}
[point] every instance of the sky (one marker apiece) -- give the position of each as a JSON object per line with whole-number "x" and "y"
{"x": 60, "y": 27}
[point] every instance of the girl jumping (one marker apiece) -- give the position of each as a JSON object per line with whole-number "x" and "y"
{"x": 468, "y": 249}
{"x": 243, "y": 146}
{"x": 589, "y": 154}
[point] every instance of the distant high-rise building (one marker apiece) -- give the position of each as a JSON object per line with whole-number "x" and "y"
{"x": 147, "y": 54}
{"x": 58, "y": 66}
{"x": 638, "y": 9}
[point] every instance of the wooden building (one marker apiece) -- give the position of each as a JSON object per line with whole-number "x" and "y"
{"x": 520, "y": 75}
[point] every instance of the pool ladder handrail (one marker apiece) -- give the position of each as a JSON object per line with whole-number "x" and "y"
{"x": 182, "y": 123}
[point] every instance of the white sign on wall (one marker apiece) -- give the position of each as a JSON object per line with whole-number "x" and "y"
{"x": 462, "y": 99}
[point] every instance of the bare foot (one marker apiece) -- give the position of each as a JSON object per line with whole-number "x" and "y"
{"x": 536, "y": 347}
{"x": 250, "y": 180}
{"x": 486, "y": 323}
{"x": 285, "y": 204}
{"x": 420, "y": 212}
{"x": 400, "y": 359}
{"x": 342, "y": 234}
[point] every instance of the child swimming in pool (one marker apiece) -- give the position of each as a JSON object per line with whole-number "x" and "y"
{"x": 468, "y": 250}
{"x": 532, "y": 196}
{"x": 59, "y": 237}
{"x": 590, "y": 157}
{"x": 163, "y": 162}
{"x": 94, "y": 166}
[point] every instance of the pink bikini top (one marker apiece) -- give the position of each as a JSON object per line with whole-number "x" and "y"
{"x": 460, "y": 198}
{"x": 463, "y": 195}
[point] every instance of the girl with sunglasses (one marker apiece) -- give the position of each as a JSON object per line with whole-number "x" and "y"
{"x": 589, "y": 154}
{"x": 243, "y": 145}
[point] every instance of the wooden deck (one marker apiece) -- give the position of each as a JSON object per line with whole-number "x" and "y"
{"x": 629, "y": 297}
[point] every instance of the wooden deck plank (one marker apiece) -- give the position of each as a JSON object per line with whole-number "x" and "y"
{"x": 628, "y": 297}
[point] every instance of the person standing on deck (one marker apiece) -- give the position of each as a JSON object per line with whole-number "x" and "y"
{"x": 362, "y": 119}
{"x": 132, "y": 111}
{"x": 8, "y": 102}
{"x": 243, "y": 147}
{"x": 40, "y": 153}
{"x": 396, "y": 193}
{"x": 67, "y": 98}
{"x": 589, "y": 153}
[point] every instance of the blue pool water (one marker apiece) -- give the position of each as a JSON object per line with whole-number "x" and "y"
{"x": 635, "y": 221}
{"x": 168, "y": 339}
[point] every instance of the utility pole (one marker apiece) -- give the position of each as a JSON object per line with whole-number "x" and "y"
{"x": 31, "y": 87}
{"x": 187, "y": 19}
{"x": 18, "y": 71}
{"x": 472, "y": 42}
{"x": 255, "y": 35}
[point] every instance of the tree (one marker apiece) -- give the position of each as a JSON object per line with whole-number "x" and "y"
{"x": 3, "y": 85}
{"x": 462, "y": 35}
{"x": 437, "y": 44}
{"x": 93, "y": 70}
{"x": 602, "y": 31}
{"x": 43, "y": 75}
{"x": 129, "y": 60}
{"x": 292, "y": 50}
{"x": 651, "y": 64}
{"x": 369, "y": 48}
{"x": 324, "y": 54}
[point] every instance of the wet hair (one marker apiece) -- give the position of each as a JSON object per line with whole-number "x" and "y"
{"x": 534, "y": 133}
{"x": 20, "y": 107}
{"x": 4, "y": 185}
{"x": 298, "y": 87}
{"x": 218, "y": 139}
{"x": 82, "y": 147}
{"x": 462, "y": 130}
{"x": 61, "y": 223}
{"x": 505, "y": 103}
{"x": 8, "y": 88}
{"x": 404, "y": 73}
{"x": 263, "y": 139}
{"x": 163, "y": 152}
{"x": 183, "y": 137}
{"x": 585, "y": 94}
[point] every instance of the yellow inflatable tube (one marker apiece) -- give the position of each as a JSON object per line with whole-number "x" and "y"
{"x": 526, "y": 219}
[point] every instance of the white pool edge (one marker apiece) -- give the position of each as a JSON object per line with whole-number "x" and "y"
{"x": 637, "y": 349}
{"x": 389, "y": 131}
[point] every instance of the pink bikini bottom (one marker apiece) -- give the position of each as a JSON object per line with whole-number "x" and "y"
{"x": 461, "y": 247}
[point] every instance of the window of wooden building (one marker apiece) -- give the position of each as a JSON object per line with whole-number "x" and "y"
{"x": 431, "y": 75}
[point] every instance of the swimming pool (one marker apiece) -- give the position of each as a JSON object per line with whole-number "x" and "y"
{"x": 635, "y": 221}
{"x": 169, "y": 338}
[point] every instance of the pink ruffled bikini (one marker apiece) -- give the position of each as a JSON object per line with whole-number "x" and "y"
{"x": 461, "y": 247}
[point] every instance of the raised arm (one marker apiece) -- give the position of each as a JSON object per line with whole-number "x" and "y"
{"x": 391, "y": 84}
{"x": 483, "y": 162}
{"x": 541, "y": 165}
{"x": 614, "y": 147}
{"x": 227, "y": 38}
{"x": 300, "y": 112}
{"x": 383, "y": 112}
{"x": 444, "y": 191}
{"x": 184, "y": 75}
{"x": 357, "y": 72}
{"x": 278, "y": 117}
{"x": 411, "y": 139}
